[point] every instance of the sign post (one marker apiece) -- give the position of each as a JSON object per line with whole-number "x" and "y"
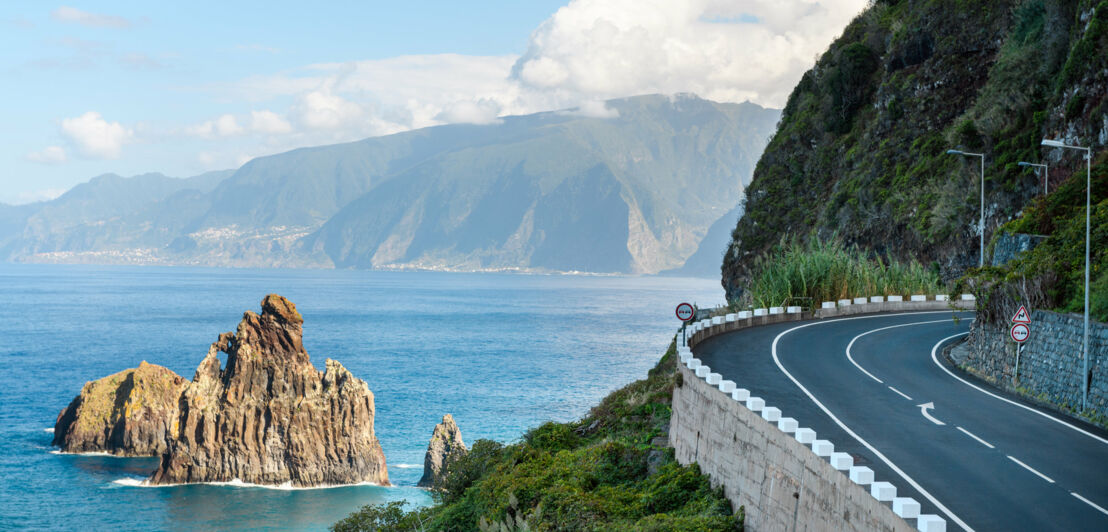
{"x": 685, "y": 312}
{"x": 1020, "y": 332}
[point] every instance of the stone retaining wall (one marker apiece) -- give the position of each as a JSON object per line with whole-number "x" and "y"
{"x": 784, "y": 477}
{"x": 1051, "y": 363}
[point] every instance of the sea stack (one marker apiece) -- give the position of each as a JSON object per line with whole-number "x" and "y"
{"x": 130, "y": 413}
{"x": 446, "y": 440}
{"x": 270, "y": 417}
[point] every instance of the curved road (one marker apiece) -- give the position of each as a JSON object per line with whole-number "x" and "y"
{"x": 978, "y": 458}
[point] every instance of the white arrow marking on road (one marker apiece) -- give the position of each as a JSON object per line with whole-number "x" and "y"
{"x": 923, "y": 410}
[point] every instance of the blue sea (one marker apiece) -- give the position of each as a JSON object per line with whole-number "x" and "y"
{"x": 501, "y": 352}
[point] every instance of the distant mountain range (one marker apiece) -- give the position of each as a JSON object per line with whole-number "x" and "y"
{"x": 554, "y": 191}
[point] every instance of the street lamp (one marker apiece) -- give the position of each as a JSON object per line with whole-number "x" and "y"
{"x": 1088, "y": 194}
{"x": 981, "y": 253}
{"x": 1046, "y": 172}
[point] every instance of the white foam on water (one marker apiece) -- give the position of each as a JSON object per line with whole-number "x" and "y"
{"x": 237, "y": 483}
{"x": 50, "y": 430}
{"x": 94, "y": 453}
{"x": 407, "y": 466}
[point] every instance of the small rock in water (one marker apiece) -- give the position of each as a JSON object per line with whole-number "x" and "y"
{"x": 446, "y": 442}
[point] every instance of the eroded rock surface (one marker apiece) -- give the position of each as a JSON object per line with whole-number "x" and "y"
{"x": 446, "y": 440}
{"x": 130, "y": 413}
{"x": 270, "y": 417}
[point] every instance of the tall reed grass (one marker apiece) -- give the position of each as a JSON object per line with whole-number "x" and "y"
{"x": 806, "y": 274}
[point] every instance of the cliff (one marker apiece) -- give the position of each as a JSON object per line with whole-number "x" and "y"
{"x": 860, "y": 151}
{"x": 446, "y": 444}
{"x": 269, "y": 417}
{"x": 130, "y": 413}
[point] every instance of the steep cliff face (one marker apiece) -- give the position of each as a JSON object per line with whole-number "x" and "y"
{"x": 130, "y": 413}
{"x": 860, "y": 151}
{"x": 270, "y": 417}
{"x": 446, "y": 441}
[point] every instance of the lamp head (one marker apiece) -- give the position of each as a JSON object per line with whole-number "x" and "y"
{"x": 953, "y": 152}
{"x": 1021, "y": 163}
{"x": 1053, "y": 143}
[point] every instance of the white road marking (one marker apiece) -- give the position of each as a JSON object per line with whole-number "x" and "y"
{"x": 850, "y": 356}
{"x": 1031, "y": 469}
{"x": 902, "y": 394}
{"x": 935, "y": 358}
{"x": 923, "y": 410}
{"x": 1090, "y": 503}
{"x": 843, "y": 426}
{"x": 979, "y": 440}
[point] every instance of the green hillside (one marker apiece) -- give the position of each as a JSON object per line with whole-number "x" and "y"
{"x": 860, "y": 153}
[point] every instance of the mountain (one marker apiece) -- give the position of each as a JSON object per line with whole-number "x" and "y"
{"x": 861, "y": 150}
{"x": 705, "y": 262}
{"x": 632, "y": 191}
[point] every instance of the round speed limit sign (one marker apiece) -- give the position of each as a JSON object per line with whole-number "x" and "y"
{"x": 685, "y": 312}
{"x": 1021, "y": 332}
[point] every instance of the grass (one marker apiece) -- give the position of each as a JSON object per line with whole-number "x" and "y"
{"x": 819, "y": 270}
{"x": 603, "y": 472}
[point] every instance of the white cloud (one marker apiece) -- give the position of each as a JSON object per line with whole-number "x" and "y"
{"x": 268, "y": 122}
{"x": 95, "y": 137}
{"x": 594, "y": 109}
{"x": 484, "y": 111}
{"x": 323, "y": 109}
{"x": 48, "y": 155}
{"x": 85, "y": 18}
{"x": 720, "y": 50}
{"x": 20, "y": 198}
{"x": 224, "y": 126}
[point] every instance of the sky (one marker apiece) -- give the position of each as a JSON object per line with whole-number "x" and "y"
{"x": 187, "y": 87}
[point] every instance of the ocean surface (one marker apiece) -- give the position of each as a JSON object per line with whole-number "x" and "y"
{"x": 501, "y": 352}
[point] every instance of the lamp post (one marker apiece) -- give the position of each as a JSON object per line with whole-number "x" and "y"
{"x": 981, "y": 253}
{"x": 1046, "y": 172}
{"x": 1088, "y": 196}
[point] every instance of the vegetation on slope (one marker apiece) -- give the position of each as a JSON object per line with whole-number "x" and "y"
{"x": 808, "y": 273}
{"x": 861, "y": 147}
{"x": 1052, "y": 275}
{"x": 604, "y": 472}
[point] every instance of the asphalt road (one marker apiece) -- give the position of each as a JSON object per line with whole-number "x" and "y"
{"x": 980, "y": 459}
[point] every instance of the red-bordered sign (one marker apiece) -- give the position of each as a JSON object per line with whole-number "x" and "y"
{"x": 1022, "y": 316}
{"x": 1021, "y": 332}
{"x": 685, "y": 312}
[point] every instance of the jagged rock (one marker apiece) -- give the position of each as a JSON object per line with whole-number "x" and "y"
{"x": 270, "y": 417}
{"x": 446, "y": 440}
{"x": 129, "y": 413}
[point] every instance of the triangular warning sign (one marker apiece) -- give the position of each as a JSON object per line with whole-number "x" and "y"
{"x": 1022, "y": 316}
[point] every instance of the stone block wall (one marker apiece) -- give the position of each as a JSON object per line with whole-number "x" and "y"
{"x": 1051, "y": 362}
{"x": 779, "y": 481}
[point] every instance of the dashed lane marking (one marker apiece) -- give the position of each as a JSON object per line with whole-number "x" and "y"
{"x": 1090, "y": 503}
{"x": 1031, "y": 469}
{"x": 974, "y": 436}
{"x": 902, "y": 394}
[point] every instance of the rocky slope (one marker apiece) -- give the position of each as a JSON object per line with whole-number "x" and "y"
{"x": 860, "y": 151}
{"x": 446, "y": 443}
{"x": 268, "y": 417}
{"x": 632, "y": 191}
{"x": 130, "y": 413}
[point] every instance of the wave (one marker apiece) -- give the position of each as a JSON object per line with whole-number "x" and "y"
{"x": 236, "y": 483}
{"x": 94, "y": 453}
{"x": 50, "y": 430}
{"x": 407, "y": 466}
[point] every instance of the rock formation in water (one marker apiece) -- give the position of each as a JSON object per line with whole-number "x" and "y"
{"x": 130, "y": 413}
{"x": 446, "y": 441}
{"x": 270, "y": 417}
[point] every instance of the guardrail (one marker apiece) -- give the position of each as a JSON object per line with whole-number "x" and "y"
{"x": 882, "y": 491}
